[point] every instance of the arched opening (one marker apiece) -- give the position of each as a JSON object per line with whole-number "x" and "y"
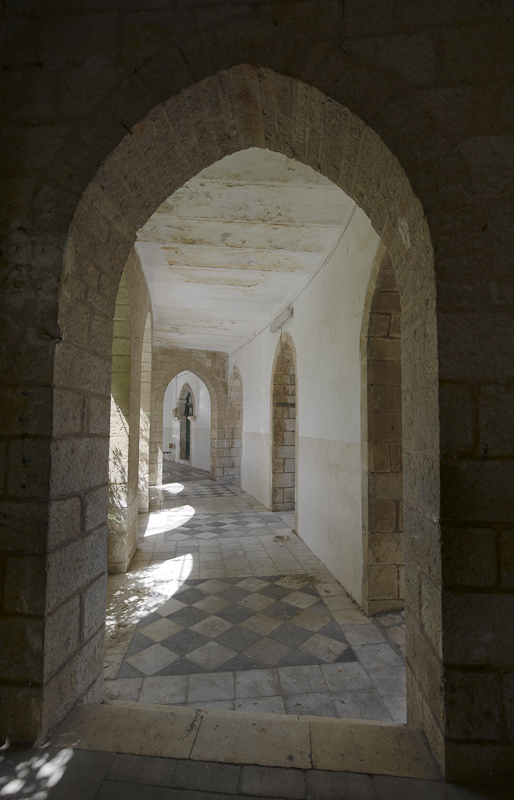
{"x": 283, "y": 492}
{"x": 187, "y": 421}
{"x": 383, "y": 193}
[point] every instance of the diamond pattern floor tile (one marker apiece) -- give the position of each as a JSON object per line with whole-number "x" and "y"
{"x": 249, "y": 613}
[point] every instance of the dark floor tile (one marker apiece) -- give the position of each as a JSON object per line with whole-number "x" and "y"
{"x": 206, "y": 776}
{"x": 241, "y": 662}
{"x": 233, "y": 593}
{"x": 189, "y": 615}
{"x": 128, "y": 671}
{"x": 235, "y": 613}
{"x": 182, "y": 666}
{"x": 273, "y": 782}
{"x": 232, "y": 580}
{"x": 299, "y": 659}
{"x": 190, "y": 595}
{"x": 184, "y": 642}
{"x": 292, "y": 635}
{"x": 280, "y": 610}
{"x": 238, "y": 639}
{"x": 309, "y": 589}
{"x": 333, "y": 631}
{"x": 148, "y": 619}
{"x": 142, "y": 769}
{"x": 139, "y": 642}
{"x": 345, "y": 657}
{"x": 320, "y": 608}
{"x": 274, "y": 590}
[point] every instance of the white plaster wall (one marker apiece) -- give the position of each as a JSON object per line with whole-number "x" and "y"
{"x": 326, "y": 331}
{"x": 200, "y": 428}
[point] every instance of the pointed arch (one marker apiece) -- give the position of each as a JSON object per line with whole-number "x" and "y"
{"x": 239, "y": 108}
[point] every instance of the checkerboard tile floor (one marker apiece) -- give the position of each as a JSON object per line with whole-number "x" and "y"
{"x": 227, "y": 608}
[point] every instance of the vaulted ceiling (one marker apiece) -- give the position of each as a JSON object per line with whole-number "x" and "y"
{"x": 235, "y": 245}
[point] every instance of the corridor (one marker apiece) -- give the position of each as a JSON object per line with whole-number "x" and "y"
{"x": 224, "y": 607}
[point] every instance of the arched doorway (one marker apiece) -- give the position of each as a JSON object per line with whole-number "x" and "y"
{"x": 383, "y": 192}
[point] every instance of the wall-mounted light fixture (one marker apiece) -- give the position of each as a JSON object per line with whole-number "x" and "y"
{"x": 281, "y": 319}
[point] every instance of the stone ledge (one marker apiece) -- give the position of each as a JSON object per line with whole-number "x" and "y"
{"x": 248, "y": 738}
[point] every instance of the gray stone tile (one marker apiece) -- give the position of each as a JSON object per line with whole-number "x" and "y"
{"x": 289, "y": 634}
{"x": 299, "y": 659}
{"x": 211, "y": 686}
{"x": 322, "y": 647}
{"x": 373, "y": 656}
{"x": 114, "y": 790}
{"x": 210, "y": 656}
{"x": 301, "y": 680}
{"x": 346, "y": 677}
{"x": 280, "y": 610}
{"x": 267, "y": 651}
{"x": 142, "y": 769}
{"x": 164, "y": 690}
{"x": 183, "y": 642}
{"x": 212, "y": 705}
{"x": 211, "y": 627}
{"x": 234, "y": 593}
{"x": 128, "y": 671}
{"x": 188, "y": 616}
{"x": 198, "y": 775}
{"x": 126, "y": 689}
{"x": 389, "y": 788}
{"x": 333, "y": 631}
{"x": 322, "y": 785}
{"x": 182, "y": 666}
{"x": 316, "y": 704}
{"x": 274, "y": 590}
{"x": 152, "y": 659}
{"x": 364, "y": 634}
{"x": 235, "y": 613}
{"x": 397, "y": 707}
{"x": 238, "y": 638}
{"x": 365, "y": 704}
{"x": 260, "y": 683}
{"x": 80, "y": 774}
{"x": 389, "y": 680}
{"x": 241, "y": 662}
{"x": 272, "y": 782}
{"x": 265, "y": 705}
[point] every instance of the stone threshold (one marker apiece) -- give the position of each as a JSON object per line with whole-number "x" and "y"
{"x": 235, "y": 737}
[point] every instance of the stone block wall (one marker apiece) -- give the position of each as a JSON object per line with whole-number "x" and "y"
{"x": 232, "y": 472}
{"x": 384, "y": 580}
{"x": 283, "y": 409}
{"x": 410, "y": 110}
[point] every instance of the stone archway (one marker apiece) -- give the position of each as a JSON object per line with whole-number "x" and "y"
{"x": 239, "y": 108}
{"x": 211, "y": 368}
{"x": 186, "y": 398}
